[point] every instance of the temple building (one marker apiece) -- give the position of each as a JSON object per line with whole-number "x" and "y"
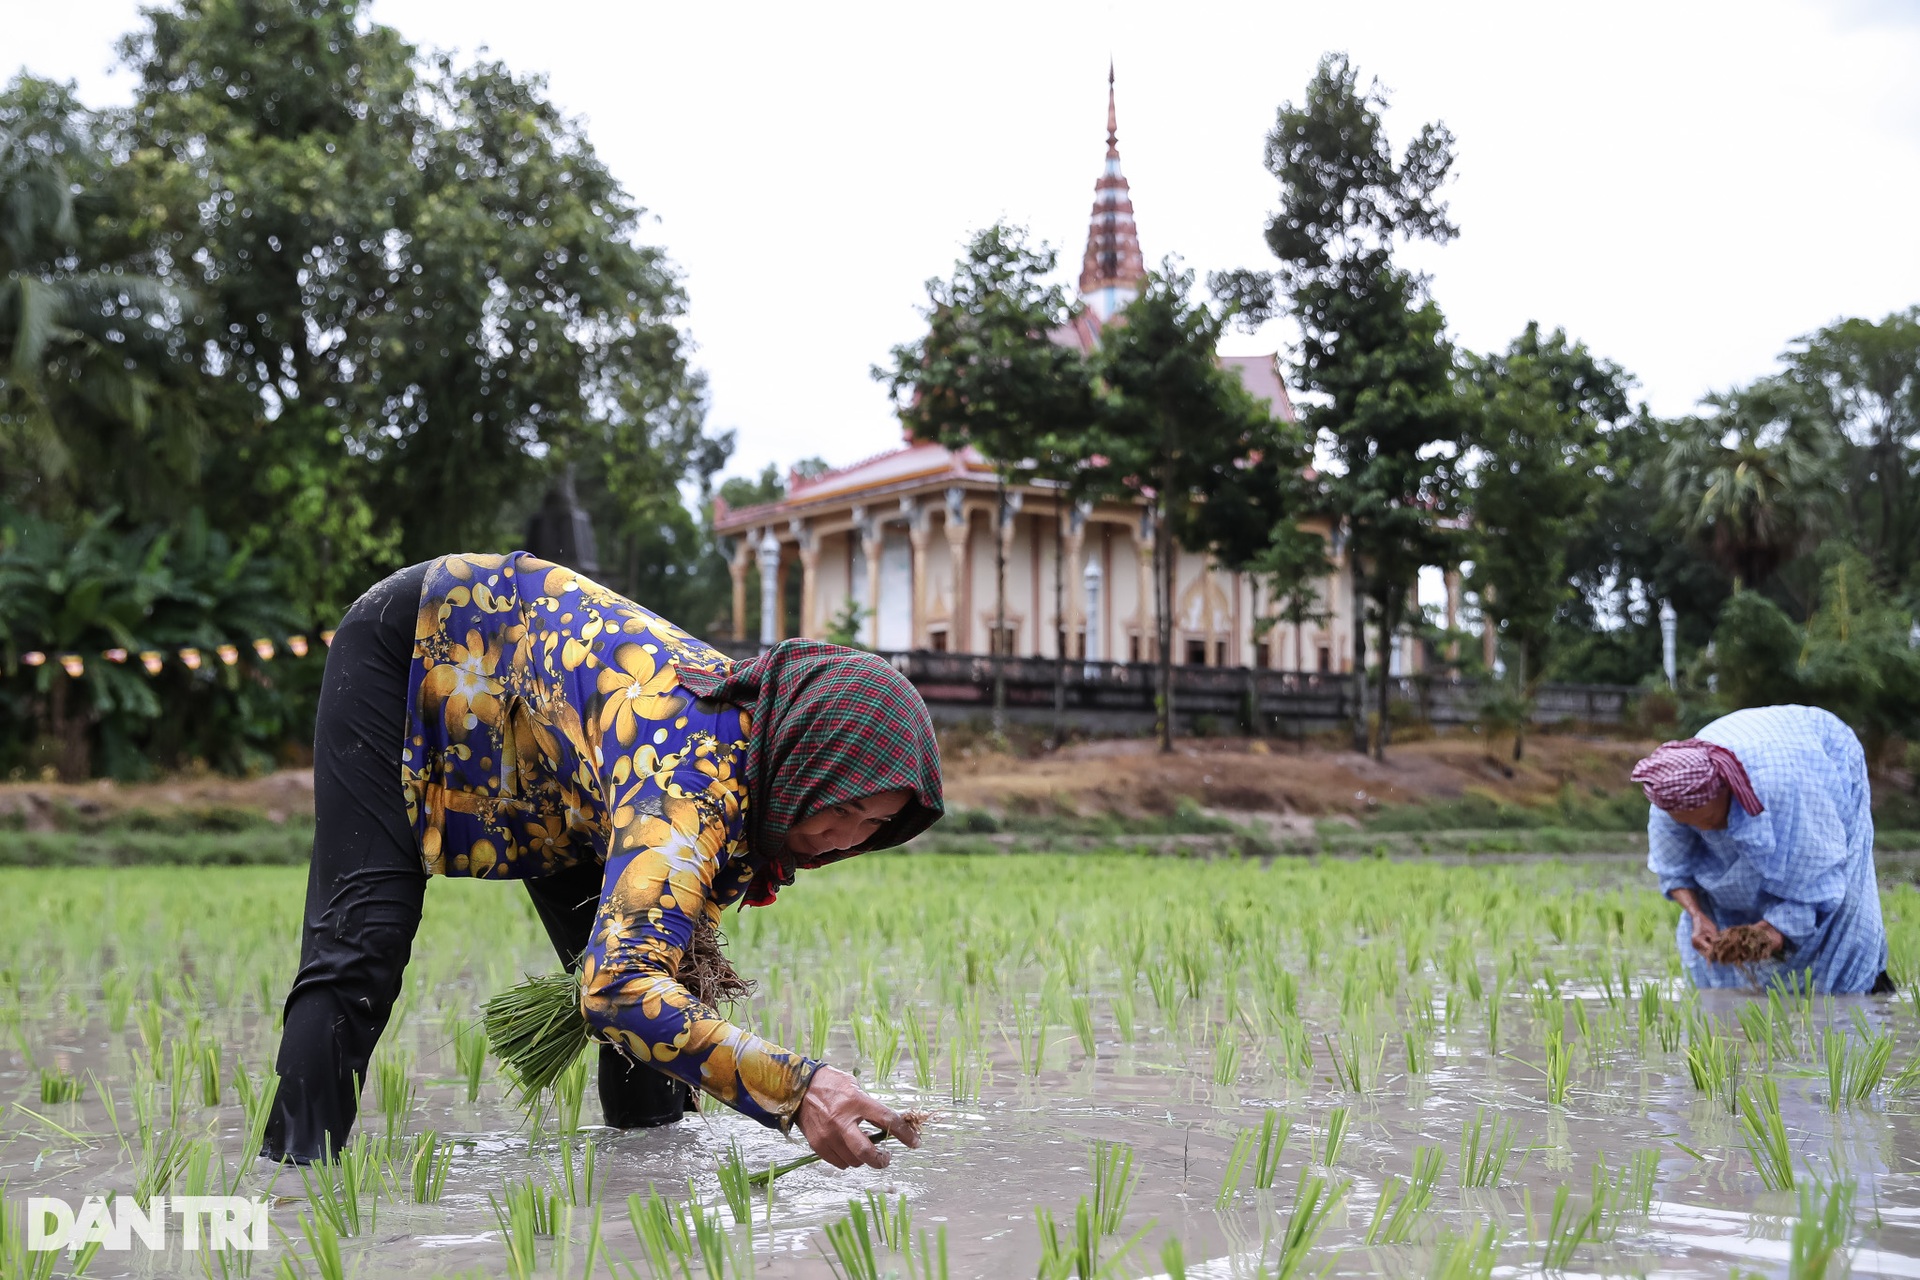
{"x": 908, "y": 537}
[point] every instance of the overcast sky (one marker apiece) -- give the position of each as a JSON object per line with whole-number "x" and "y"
{"x": 1684, "y": 186}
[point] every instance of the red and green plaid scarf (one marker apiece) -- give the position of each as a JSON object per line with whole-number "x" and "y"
{"x": 828, "y": 725}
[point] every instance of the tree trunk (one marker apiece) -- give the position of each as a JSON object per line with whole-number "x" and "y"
{"x": 67, "y": 735}
{"x": 1163, "y": 626}
{"x": 999, "y": 642}
{"x": 1520, "y": 686}
{"x": 1387, "y": 622}
{"x": 1360, "y": 743}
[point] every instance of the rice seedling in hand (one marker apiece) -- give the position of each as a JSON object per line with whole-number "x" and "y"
{"x": 1817, "y": 1247}
{"x": 570, "y": 1092}
{"x": 914, "y": 1118}
{"x": 537, "y": 1030}
{"x": 1765, "y": 1132}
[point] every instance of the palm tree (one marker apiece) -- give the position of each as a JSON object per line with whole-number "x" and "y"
{"x": 1748, "y": 482}
{"x": 75, "y": 341}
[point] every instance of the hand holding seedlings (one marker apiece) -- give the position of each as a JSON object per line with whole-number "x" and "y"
{"x": 916, "y": 1119}
{"x": 830, "y": 1115}
{"x": 1745, "y": 943}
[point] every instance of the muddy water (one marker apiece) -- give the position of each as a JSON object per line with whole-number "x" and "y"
{"x": 987, "y": 1163}
{"x": 1022, "y": 1143}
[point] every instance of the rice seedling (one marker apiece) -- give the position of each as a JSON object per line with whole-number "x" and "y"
{"x": 577, "y": 1177}
{"x": 210, "y": 1081}
{"x": 1355, "y": 1059}
{"x": 1226, "y": 1056}
{"x": 58, "y": 1086}
{"x": 931, "y": 1262}
{"x": 1484, "y": 1150}
{"x": 765, "y": 1176}
{"x": 432, "y": 1162}
{"x": 1764, "y": 1131}
{"x": 323, "y": 1246}
{"x": 1854, "y": 1069}
{"x": 570, "y": 1092}
{"x": 1404, "y": 1204}
{"x": 1113, "y": 1183}
{"x": 528, "y": 1214}
{"x": 1817, "y": 1246}
{"x": 1080, "y": 1013}
{"x": 1559, "y": 1062}
{"x": 1336, "y": 1135}
{"x": 920, "y": 1040}
{"x": 1313, "y": 1200}
{"x": 1567, "y": 1229}
{"x": 1164, "y": 983}
{"x": 963, "y": 1082}
{"x": 663, "y": 1233}
{"x": 852, "y": 1244}
{"x": 393, "y": 1087}
{"x": 1713, "y": 1065}
{"x": 736, "y": 1184}
{"x": 1030, "y": 1025}
{"x": 537, "y": 1030}
{"x": 470, "y": 1055}
{"x": 1469, "y": 1257}
{"x": 1120, "y": 1006}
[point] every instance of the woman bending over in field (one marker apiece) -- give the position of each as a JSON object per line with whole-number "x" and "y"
{"x": 1762, "y": 830}
{"x": 505, "y": 717}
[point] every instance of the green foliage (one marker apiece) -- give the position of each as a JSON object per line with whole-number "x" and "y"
{"x": 1853, "y": 656}
{"x": 356, "y": 320}
{"x": 1372, "y": 349}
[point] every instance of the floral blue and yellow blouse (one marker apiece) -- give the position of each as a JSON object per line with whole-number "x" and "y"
{"x": 547, "y": 724}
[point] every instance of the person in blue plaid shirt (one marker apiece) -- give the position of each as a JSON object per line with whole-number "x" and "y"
{"x": 1762, "y": 830}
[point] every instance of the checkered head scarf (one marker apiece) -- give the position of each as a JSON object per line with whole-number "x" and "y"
{"x": 1689, "y": 774}
{"x": 827, "y": 725}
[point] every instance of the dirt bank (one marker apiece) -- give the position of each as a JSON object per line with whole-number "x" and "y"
{"x": 1319, "y": 779}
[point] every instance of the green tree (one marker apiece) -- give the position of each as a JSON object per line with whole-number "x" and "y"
{"x": 1862, "y": 379}
{"x": 1373, "y": 351}
{"x": 1749, "y": 482}
{"x": 1535, "y": 486}
{"x": 423, "y": 279}
{"x": 988, "y": 375}
{"x": 92, "y": 411}
{"x": 1180, "y": 433}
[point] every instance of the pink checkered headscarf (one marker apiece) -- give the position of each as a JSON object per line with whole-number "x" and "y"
{"x": 1689, "y": 774}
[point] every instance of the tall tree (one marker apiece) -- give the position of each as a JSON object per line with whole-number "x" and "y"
{"x": 1373, "y": 352}
{"x": 988, "y": 375}
{"x": 1536, "y": 482}
{"x": 1749, "y": 482}
{"x": 93, "y": 410}
{"x": 1179, "y": 431}
{"x": 1863, "y": 379}
{"x": 422, "y": 276}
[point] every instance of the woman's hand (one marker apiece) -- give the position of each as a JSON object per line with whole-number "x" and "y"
{"x": 830, "y": 1114}
{"x": 1705, "y": 933}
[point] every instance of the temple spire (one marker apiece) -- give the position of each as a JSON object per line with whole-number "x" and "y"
{"x": 1111, "y": 272}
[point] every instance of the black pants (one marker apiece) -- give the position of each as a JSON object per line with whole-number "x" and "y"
{"x": 365, "y": 887}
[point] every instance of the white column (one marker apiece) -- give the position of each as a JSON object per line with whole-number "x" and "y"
{"x": 1091, "y": 580}
{"x": 769, "y": 588}
{"x": 1669, "y": 657}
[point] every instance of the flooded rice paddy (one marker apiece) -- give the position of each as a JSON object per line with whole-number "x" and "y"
{"x": 1138, "y": 1067}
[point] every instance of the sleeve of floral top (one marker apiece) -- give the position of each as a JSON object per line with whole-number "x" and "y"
{"x": 667, "y": 847}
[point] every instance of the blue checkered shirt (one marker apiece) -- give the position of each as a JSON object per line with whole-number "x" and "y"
{"x": 1804, "y": 864}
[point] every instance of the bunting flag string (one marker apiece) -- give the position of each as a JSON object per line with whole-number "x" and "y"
{"x": 153, "y": 660}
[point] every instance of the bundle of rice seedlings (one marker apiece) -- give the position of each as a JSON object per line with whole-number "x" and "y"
{"x": 537, "y": 1028}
